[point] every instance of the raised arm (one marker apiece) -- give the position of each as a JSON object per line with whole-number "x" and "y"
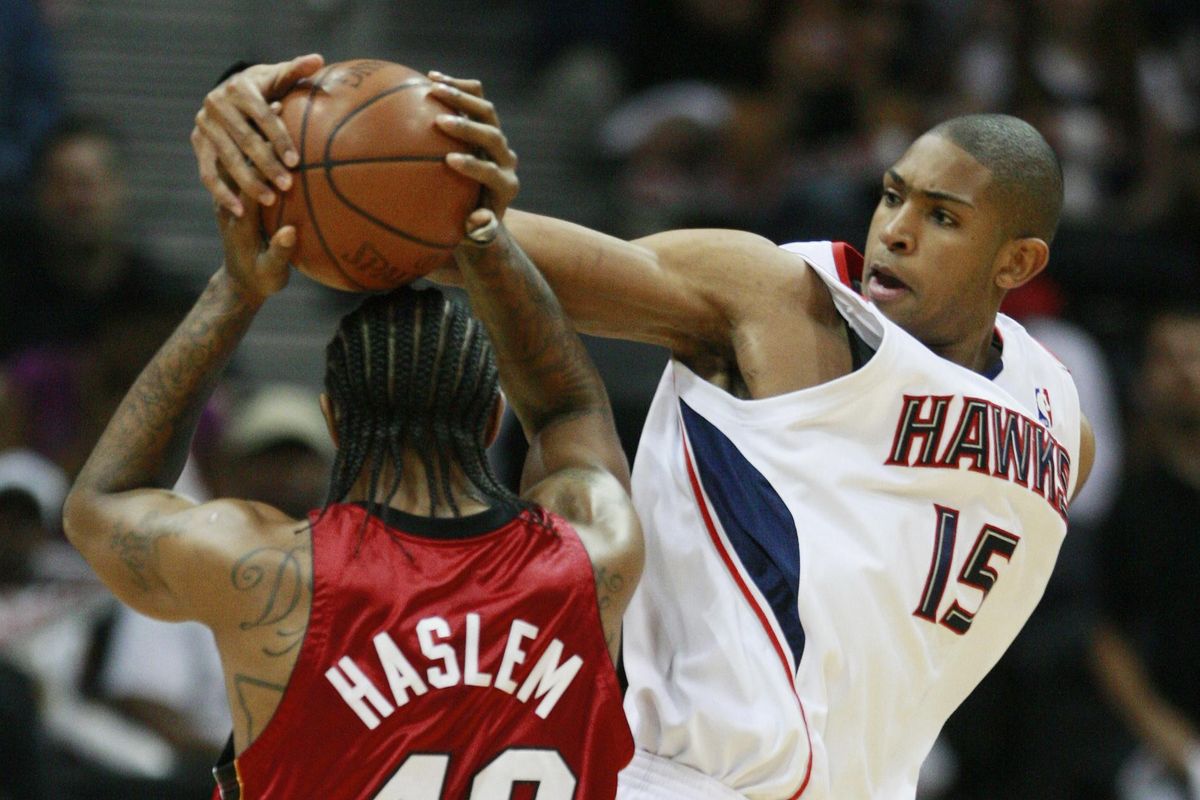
{"x": 575, "y": 465}
{"x": 149, "y": 545}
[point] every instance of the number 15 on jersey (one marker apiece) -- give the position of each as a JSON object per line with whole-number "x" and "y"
{"x": 979, "y": 572}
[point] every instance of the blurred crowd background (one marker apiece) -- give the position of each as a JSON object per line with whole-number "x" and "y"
{"x": 630, "y": 116}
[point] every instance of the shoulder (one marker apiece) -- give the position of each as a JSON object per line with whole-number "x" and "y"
{"x": 734, "y": 264}
{"x": 214, "y": 536}
{"x": 596, "y": 504}
{"x": 247, "y": 517}
{"x": 583, "y": 496}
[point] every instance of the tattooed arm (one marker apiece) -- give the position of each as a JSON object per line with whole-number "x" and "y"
{"x": 143, "y": 540}
{"x": 575, "y": 466}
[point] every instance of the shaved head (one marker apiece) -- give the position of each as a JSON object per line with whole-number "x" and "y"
{"x": 1027, "y": 178}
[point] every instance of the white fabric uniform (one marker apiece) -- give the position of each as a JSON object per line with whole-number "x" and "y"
{"x": 813, "y": 602}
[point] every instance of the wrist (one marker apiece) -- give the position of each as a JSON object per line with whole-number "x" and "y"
{"x": 487, "y": 258}
{"x": 236, "y": 291}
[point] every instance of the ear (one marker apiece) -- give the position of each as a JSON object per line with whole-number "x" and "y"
{"x": 497, "y": 416}
{"x": 1020, "y": 261}
{"x": 330, "y": 418}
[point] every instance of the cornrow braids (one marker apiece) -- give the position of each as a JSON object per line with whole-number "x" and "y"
{"x": 412, "y": 370}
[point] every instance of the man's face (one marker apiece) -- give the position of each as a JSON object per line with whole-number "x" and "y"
{"x": 1170, "y": 379}
{"x": 80, "y": 191}
{"x": 932, "y": 248}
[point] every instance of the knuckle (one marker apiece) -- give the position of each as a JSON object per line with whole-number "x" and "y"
{"x": 258, "y": 149}
{"x": 247, "y": 140}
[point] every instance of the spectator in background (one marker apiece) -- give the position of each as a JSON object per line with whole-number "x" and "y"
{"x": 166, "y": 678}
{"x": 30, "y": 99}
{"x": 1147, "y": 649}
{"x": 45, "y": 600}
{"x": 73, "y": 259}
{"x": 57, "y": 395}
{"x": 23, "y": 530}
{"x": 82, "y": 307}
{"x": 22, "y": 756}
{"x": 716, "y": 41}
{"x": 1083, "y": 72}
{"x": 275, "y": 448}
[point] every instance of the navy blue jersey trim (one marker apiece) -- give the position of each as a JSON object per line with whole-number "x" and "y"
{"x": 755, "y": 520}
{"x": 994, "y": 369}
{"x": 225, "y": 773}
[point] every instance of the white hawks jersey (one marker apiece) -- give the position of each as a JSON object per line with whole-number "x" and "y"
{"x": 830, "y": 572}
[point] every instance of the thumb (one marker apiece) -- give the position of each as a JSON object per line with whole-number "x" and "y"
{"x": 279, "y": 250}
{"x": 482, "y": 226}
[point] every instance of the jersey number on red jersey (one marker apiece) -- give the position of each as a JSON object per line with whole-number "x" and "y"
{"x": 422, "y": 776}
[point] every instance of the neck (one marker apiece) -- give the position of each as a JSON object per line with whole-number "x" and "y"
{"x": 975, "y": 352}
{"x": 412, "y": 495}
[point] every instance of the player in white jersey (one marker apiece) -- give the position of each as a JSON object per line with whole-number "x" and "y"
{"x": 848, "y": 533}
{"x": 844, "y": 528}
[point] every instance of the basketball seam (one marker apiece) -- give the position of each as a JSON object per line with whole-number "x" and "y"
{"x": 328, "y": 162}
{"x": 351, "y": 162}
{"x": 312, "y": 215}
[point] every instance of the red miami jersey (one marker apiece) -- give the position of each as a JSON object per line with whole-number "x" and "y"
{"x": 444, "y": 659}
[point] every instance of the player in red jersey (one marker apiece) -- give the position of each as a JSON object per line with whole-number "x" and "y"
{"x": 428, "y": 634}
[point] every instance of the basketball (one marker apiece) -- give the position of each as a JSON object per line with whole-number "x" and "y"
{"x": 372, "y": 200}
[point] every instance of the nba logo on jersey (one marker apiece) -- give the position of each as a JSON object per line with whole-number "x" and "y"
{"x": 1045, "y": 415}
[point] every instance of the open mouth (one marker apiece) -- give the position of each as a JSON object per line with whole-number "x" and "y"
{"x": 882, "y": 285}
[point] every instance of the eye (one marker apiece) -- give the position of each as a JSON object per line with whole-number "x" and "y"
{"x": 890, "y": 197}
{"x": 944, "y": 218}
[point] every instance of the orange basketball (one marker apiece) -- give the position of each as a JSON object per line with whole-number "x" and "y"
{"x": 372, "y": 200}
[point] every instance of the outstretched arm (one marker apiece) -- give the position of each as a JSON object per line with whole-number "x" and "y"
{"x": 119, "y": 514}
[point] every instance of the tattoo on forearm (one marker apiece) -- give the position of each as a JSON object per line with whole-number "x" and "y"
{"x": 243, "y": 682}
{"x": 146, "y": 441}
{"x": 550, "y": 363}
{"x": 280, "y": 573}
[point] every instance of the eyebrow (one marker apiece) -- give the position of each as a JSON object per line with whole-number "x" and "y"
{"x": 936, "y": 195}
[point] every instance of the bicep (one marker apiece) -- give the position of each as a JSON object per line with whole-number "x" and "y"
{"x": 154, "y": 549}
{"x": 678, "y": 289}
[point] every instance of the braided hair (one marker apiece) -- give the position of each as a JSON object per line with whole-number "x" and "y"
{"x": 412, "y": 370}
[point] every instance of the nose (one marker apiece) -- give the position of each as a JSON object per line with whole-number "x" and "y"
{"x": 897, "y": 234}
